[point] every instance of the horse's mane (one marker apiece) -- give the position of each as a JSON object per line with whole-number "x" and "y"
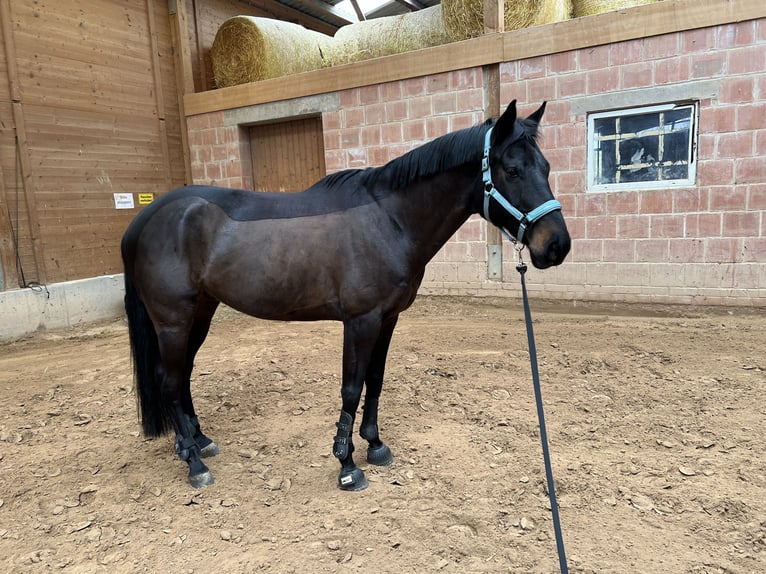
{"x": 447, "y": 152}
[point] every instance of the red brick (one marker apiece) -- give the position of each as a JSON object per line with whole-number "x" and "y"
{"x": 754, "y": 249}
{"x": 627, "y": 52}
{"x": 620, "y": 250}
{"x": 699, "y": 40}
{"x": 508, "y": 72}
{"x": 703, "y": 225}
{"x": 377, "y": 155}
{"x": 733, "y": 35}
{"x": 569, "y": 181}
{"x": 729, "y": 199}
{"x": 413, "y": 87}
{"x": 570, "y": 85}
{"x": 667, "y": 226}
{"x": 371, "y": 136}
{"x": 686, "y": 250}
{"x": 750, "y": 170}
{"x": 636, "y": 75}
{"x": 756, "y": 198}
{"x": 466, "y": 79}
{"x": 532, "y": 68}
{"x": 198, "y": 122}
{"x": 652, "y": 250}
{"x": 601, "y": 81}
{"x": 752, "y": 117}
{"x": 348, "y": 98}
{"x": 357, "y": 157}
{"x": 391, "y": 91}
{"x": 374, "y": 114}
{"x": 671, "y": 70}
{"x": 330, "y": 121}
{"x": 735, "y": 144}
{"x": 715, "y": 172}
{"x": 414, "y": 131}
{"x": 718, "y": 119}
{"x": 436, "y": 126}
{"x": 334, "y": 160}
{"x": 575, "y": 225}
{"x": 369, "y": 94}
{"x": 391, "y": 133}
{"x": 461, "y": 121}
{"x": 332, "y": 139}
{"x": 736, "y": 90}
{"x": 604, "y": 227}
{"x": 350, "y": 137}
{"x": 590, "y": 204}
{"x": 353, "y": 117}
{"x": 558, "y": 158}
{"x": 761, "y": 30}
{"x": 588, "y": 250}
{"x": 396, "y": 111}
{"x": 707, "y": 65}
{"x": 665, "y": 46}
{"x": 437, "y": 83}
{"x": 742, "y": 224}
{"x": 655, "y": 201}
{"x": 420, "y": 107}
{"x": 594, "y": 58}
{"x": 541, "y": 89}
{"x": 562, "y": 62}
{"x": 470, "y": 100}
{"x": 747, "y": 60}
{"x": 445, "y": 103}
{"x": 689, "y": 200}
{"x": 760, "y": 143}
{"x": 622, "y": 202}
{"x": 723, "y": 250}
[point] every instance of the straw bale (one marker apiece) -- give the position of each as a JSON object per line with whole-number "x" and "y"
{"x": 389, "y": 35}
{"x": 465, "y": 18}
{"x": 590, "y": 7}
{"x": 249, "y": 49}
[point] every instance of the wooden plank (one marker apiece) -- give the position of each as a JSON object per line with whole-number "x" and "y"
{"x": 21, "y": 141}
{"x": 158, "y": 91}
{"x": 638, "y": 22}
{"x": 456, "y": 56}
{"x": 8, "y": 272}
{"x": 179, "y": 26}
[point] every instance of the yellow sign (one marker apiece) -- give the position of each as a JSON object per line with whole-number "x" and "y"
{"x": 145, "y": 198}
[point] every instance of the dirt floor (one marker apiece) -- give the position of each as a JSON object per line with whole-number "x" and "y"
{"x": 657, "y": 424}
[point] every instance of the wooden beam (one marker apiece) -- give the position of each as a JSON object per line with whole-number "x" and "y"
{"x": 494, "y": 21}
{"x": 179, "y": 38}
{"x": 159, "y": 96}
{"x": 25, "y": 165}
{"x": 8, "y": 265}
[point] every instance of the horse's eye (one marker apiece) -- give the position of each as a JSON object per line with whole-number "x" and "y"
{"x": 511, "y": 172}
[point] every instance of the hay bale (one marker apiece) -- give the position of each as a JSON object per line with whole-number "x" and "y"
{"x": 465, "y": 18}
{"x": 389, "y": 35}
{"x": 249, "y": 49}
{"x": 590, "y": 7}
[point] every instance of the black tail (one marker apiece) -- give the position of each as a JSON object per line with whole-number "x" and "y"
{"x": 147, "y": 368}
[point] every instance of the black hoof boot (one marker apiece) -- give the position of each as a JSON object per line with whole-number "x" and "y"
{"x": 380, "y": 455}
{"x": 352, "y": 481}
{"x": 201, "y": 480}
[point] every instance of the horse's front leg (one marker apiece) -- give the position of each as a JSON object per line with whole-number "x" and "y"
{"x": 377, "y": 452}
{"x": 359, "y": 337}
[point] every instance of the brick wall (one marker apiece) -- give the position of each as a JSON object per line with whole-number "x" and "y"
{"x": 704, "y": 243}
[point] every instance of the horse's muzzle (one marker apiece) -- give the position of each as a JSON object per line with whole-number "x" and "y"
{"x": 549, "y": 242}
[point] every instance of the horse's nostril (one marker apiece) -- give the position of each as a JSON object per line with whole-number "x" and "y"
{"x": 558, "y": 249}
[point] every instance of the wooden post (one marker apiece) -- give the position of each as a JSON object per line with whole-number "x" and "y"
{"x": 179, "y": 34}
{"x": 8, "y": 272}
{"x": 21, "y": 142}
{"x": 158, "y": 93}
{"x": 494, "y": 21}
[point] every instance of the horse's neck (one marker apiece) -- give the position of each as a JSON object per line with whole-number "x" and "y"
{"x": 431, "y": 211}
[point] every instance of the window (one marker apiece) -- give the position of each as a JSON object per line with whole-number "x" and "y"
{"x": 642, "y": 147}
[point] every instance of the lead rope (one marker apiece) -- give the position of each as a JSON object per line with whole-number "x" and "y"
{"x": 521, "y": 267}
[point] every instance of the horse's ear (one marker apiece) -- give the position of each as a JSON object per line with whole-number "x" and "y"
{"x": 504, "y": 125}
{"x": 538, "y": 114}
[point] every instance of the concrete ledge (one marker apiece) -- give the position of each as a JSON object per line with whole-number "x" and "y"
{"x": 60, "y": 305}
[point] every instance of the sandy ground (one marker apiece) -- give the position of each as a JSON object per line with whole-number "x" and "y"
{"x": 657, "y": 426}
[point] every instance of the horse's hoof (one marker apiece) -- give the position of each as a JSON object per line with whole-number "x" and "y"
{"x": 200, "y": 480}
{"x": 209, "y": 450}
{"x": 380, "y": 455}
{"x": 353, "y": 481}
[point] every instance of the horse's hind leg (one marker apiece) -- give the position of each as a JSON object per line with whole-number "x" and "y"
{"x": 173, "y": 350}
{"x": 197, "y": 335}
{"x": 377, "y": 452}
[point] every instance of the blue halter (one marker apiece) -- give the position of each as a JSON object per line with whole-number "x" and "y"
{"x": 524, "y": 219}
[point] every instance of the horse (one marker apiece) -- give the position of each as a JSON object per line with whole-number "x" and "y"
{"x": 352, "y": 248}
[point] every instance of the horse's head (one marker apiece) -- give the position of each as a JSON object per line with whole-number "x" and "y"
{"x": 517, "y": 196}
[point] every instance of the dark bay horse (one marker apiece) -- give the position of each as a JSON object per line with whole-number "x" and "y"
{"x": 351, "y": 248}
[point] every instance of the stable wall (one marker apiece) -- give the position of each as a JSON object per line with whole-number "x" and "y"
{"x": 704, "y": 243}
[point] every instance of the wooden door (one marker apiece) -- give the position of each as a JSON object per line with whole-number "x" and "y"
{"x": 287, "y": 156}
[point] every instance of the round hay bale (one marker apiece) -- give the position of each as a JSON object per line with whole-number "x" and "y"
{"x": 389, "y": 35}
{"x": 465, "y": 18}
{"x": 590, "y": 7}
{"x": 250, "y": 49}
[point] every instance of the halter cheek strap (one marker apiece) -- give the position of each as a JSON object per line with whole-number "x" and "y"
{"x": 490, "y": 192}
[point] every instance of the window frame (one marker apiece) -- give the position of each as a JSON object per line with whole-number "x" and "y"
{"x": 592, "y": 149}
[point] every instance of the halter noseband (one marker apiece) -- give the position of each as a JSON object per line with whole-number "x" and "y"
{"x": 524, "y": 219}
